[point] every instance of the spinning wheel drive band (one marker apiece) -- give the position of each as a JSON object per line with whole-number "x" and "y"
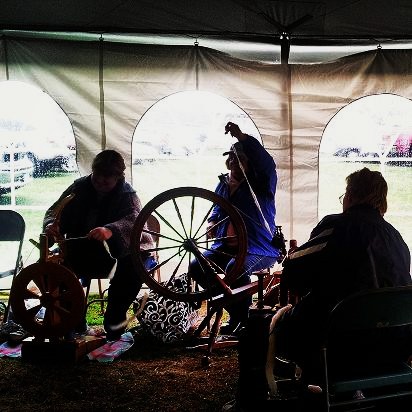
{"x": 47, "y": 300}
{"x": 182, "y": 214}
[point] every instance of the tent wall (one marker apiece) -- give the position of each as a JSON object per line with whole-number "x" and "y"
{"x": 106, "y": 88}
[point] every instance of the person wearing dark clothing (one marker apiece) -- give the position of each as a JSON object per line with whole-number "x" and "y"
{"x": 250, "y": 187}
{"x": 348, "y": 252}
{"x": 104, "y": 209}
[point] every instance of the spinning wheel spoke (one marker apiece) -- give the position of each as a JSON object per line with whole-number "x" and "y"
{"x": 169, "y": 225}
{"x": 172, "y": 277}
{"x": 180, "y": 217}
{"x": 218, "y": 252}
{"x": 213, "y": 239}
{"x": 196, "y": 235}
{"x": 161, "y": 235}
{"x": 50, "y": 319}
{"x": 61, "y": 311}
{"x": 211, "y": 228}
{"x": 54, "y": 286}
{"x": 41, "y": 284}
{"x": 33, "y": 311}
{"x": 159, "y": 265}
{"x": 66, "y": 296}
{"x": 183, "y": 214}
{"x": 29, "y": 294}
{"x": 192, "y": 210}
{"x": 210, "y": 264}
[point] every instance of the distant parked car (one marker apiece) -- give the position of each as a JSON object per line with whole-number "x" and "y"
{"x": 14, "y": 161}
{"x": 352, "y": 152}
{"x": 47, "y": 154}
{"x": 402, "y": 147}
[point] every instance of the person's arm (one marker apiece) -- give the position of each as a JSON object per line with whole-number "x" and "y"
{"x": 121, "y": 229}
{"x": 51, "y": 226}
{"x": 259, "y": 159}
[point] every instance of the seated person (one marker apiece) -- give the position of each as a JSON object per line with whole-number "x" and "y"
{"x": 104, "y": 208}
{"x": 347, "y": 252}
{"x": 250, "y": 187}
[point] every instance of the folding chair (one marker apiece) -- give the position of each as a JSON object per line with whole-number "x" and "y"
{"x": 12, "y": 229}
{"x": 369, "y": 316}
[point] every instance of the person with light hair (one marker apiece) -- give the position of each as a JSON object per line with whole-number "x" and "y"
{"x": 348, "y": 252}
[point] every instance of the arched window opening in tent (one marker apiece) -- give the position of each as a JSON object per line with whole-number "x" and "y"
{"x": 180, "y": 141}
{"x": 375, "y": 132}
{"x": 37, "y": 154}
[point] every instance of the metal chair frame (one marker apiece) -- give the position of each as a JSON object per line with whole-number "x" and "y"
{"x": 365, "y": 312}
{"x": 12, "y": 229}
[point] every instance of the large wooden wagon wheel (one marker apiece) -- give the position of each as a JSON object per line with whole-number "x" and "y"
{"x": 182, "y": 214}
{"x": 47, "y": 300}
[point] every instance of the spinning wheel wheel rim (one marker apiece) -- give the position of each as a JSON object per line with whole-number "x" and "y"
{"x": 59, "y": 292}
{"x": 184, "y": 240}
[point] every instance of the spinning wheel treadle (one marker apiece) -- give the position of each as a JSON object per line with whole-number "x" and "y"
{"x": 53, "y": 288}
{"x": 182, "y": 213}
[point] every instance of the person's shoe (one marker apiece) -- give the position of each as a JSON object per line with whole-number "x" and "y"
{"x": 232, "y": 406}
{"x": 112, "y": 336}
{"x": 12, "y": 332}
{"x": 18, "y": 336}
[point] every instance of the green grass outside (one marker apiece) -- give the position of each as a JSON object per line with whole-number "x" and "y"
{"x": 332, "y": 184}
{"x": 152, "y": 178}
{"x": 39, "y": 194}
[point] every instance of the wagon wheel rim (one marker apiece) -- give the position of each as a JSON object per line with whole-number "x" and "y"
{"x": 52, "y": 289}
{"x": 182, "y": 213}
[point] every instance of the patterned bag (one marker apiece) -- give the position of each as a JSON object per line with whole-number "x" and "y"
{"x": 166, "y": 319}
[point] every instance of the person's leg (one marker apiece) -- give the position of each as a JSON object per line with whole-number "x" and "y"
{"x": 239, "y": 311}
{"x": 200, "y": 272}
{"x": 123, "y": 289}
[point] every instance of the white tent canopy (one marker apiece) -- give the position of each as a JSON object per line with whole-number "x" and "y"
{"x": 306, "y": 22}
{"x": 105, "y": 89}
{"x": 101, "y": 61}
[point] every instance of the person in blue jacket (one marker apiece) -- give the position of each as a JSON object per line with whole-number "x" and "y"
{"x": 250, "y": 186}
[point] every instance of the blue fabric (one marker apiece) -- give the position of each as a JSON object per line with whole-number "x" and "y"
{"x": 261, "y": 254}
{"x": 263, "y": 179}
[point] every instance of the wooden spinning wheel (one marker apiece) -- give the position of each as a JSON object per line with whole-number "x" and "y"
{"x": 47, "y": 300}
{"x": 184, "y": 236}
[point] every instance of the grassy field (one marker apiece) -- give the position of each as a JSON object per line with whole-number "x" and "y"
{"x": 152, "y": 178}
{"x": 32, "y": 201}
{"x": 332, "y": 180}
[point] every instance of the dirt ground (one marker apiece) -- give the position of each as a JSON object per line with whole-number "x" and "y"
{"x": 150, "y": 376}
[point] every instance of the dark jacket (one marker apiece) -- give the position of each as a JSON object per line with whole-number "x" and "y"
{"x": 116, "y": 211}
{"x": 348, "y": 252}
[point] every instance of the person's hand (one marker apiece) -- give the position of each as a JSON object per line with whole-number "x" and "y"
{"x": 100, "y": 233}
{"x": 52, "y": 231}
{"x": 234, "y": 130}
